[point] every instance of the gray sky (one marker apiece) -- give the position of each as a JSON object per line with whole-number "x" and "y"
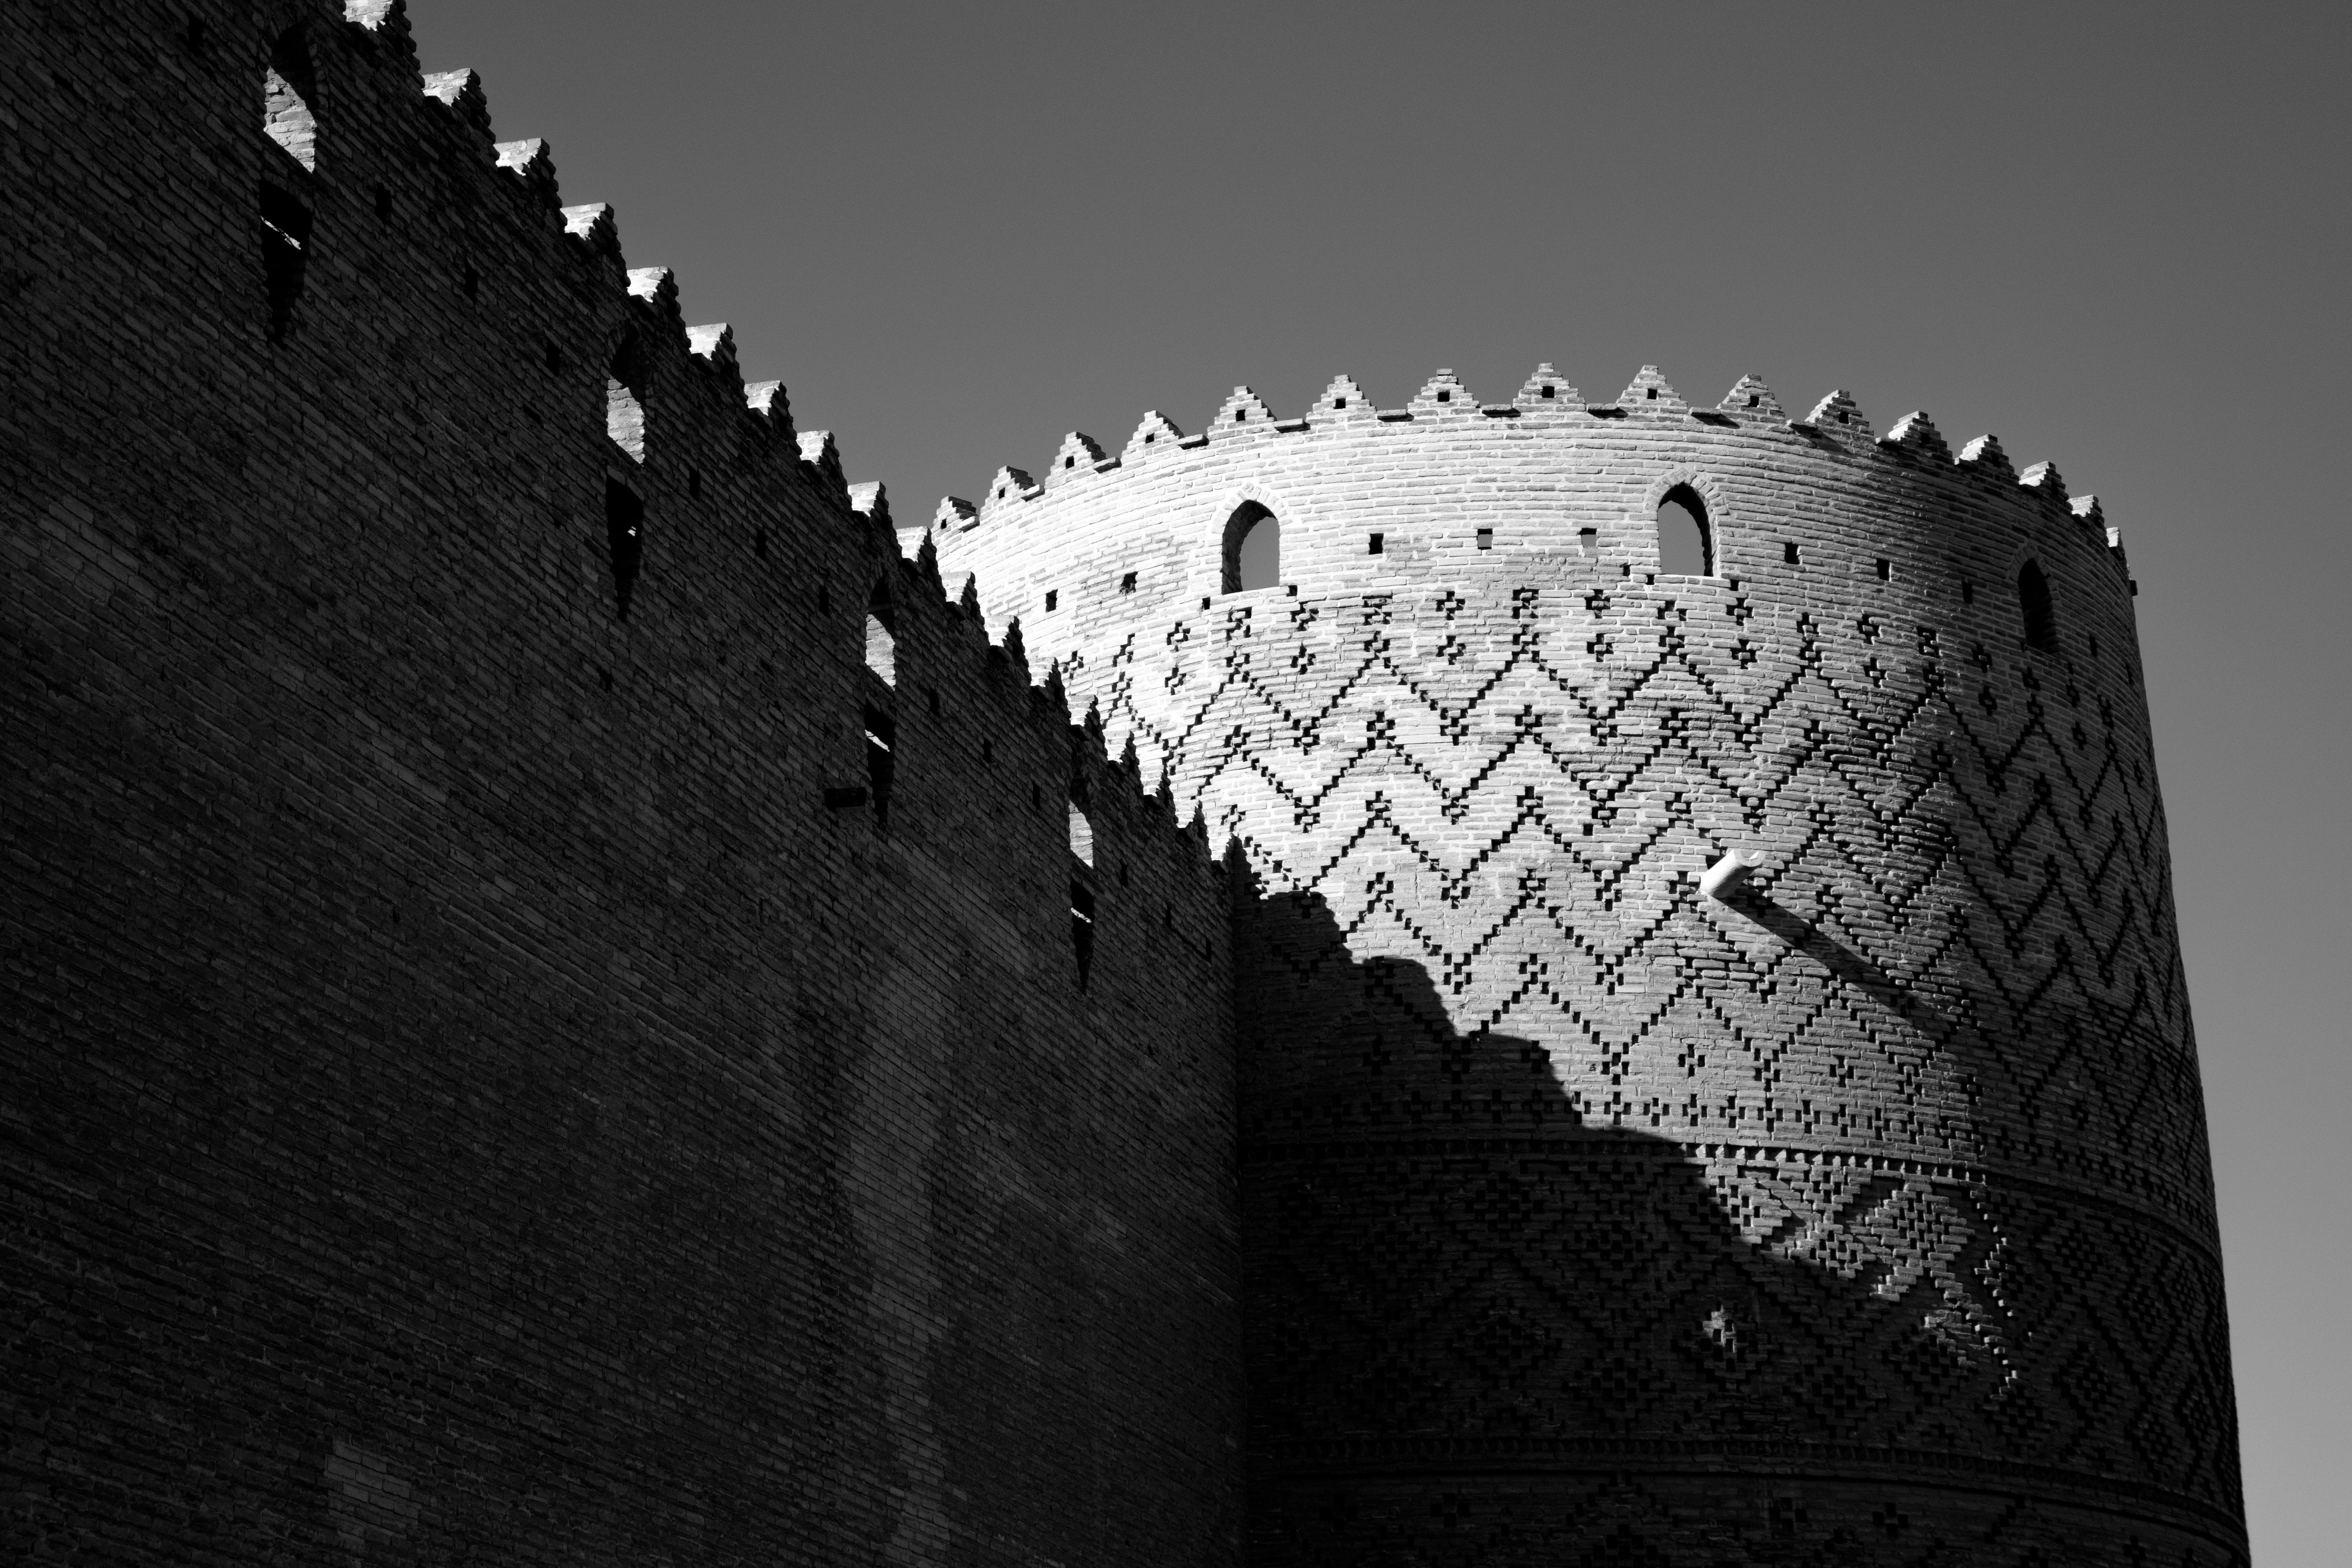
{"x": 2114, "y": 236}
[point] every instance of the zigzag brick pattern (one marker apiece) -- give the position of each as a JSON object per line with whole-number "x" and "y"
{"x": 1865, "y": 1215}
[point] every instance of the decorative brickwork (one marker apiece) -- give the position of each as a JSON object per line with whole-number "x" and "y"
{"x": 1866, "y": 1212}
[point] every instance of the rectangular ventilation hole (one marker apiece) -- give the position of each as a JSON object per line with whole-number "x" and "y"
{"x": 1485, "y": 539}
{"x": 1377, "y": 541}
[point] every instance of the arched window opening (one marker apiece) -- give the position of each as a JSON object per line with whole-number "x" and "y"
{"x": 2034, "y": 600}
{"x": 1082, "y": 928}
{"x": 881, "y": 637}
{"x": 1082, "y": 834}
{"x": 1253, "y": 549}
{"x": 881, "y": 650}
{"x": 624, "y": 527}
{"x": 1686, "y": 546}
{"x": 287, "y": 89}
{"x": 285, "y": 249}
{"x": 625, "y": 407}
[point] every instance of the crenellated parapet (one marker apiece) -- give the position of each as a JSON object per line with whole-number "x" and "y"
{"x": 620, "y": 402}
{"x": 1373, "y": 498}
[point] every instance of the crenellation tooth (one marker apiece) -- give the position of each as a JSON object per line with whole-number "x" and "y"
{"x": 459, "y": 94}
{"x": 767, "y": 401}
{"x": 1079, "y": 454}
{"x": 1649, "y": 393}
{"x": 1443, "y": 394}
{"x": 654, "y": 284}
{"x": 1750, "y": 398}
{"x": 2044, "y": 480}
{"x": 715, "y": 345}
{"x": 1915, "y": 435}
{"x": 1548, "y": 391}
{"x": 593, "y": 226}
{"x": 1245, "y": 411}
{"x": 533, "y": 164}
{"x": 822, "y": 457}
{"x": 870, "y": 498}
{"x": 1156, "y": 433}
{"x": 1984, "y": 457}
{"x": 1838, "y": 418}
{"x": 1343, "y": 399}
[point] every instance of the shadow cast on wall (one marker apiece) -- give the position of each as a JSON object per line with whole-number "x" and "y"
{"x": 1480, "y": 1328}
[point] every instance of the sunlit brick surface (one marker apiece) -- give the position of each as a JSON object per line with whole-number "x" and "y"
{"x": 1588, "y": 1218}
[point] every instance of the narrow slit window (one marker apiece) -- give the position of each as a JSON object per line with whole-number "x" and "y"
{"x": 284, "y": 252}
{"x": 1082, "y": 929}
{"x": 1685, "y": 548}
{"x": 2033, "y": 601}
{"x": 624, "y": 405}
{"x": 287, "y": 89}
{"x": 1082, "y": 835}
{"x": 624, "y": 537}
{"x": 1053, "y": 600}
{"x": 881, "y": 762}
{"x": 1253, "y": 549}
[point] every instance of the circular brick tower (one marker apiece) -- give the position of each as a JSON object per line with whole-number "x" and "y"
{"x": 1856, "y": 1211}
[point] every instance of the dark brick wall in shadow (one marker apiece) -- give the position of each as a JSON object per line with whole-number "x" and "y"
{"x": 485, "y": 1082}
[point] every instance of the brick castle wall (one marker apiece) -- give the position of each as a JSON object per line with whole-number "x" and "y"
{"x": 556, "y": 1006}
{"x": 1865, "y": 1215}
{"x": 485, "y": 1082}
